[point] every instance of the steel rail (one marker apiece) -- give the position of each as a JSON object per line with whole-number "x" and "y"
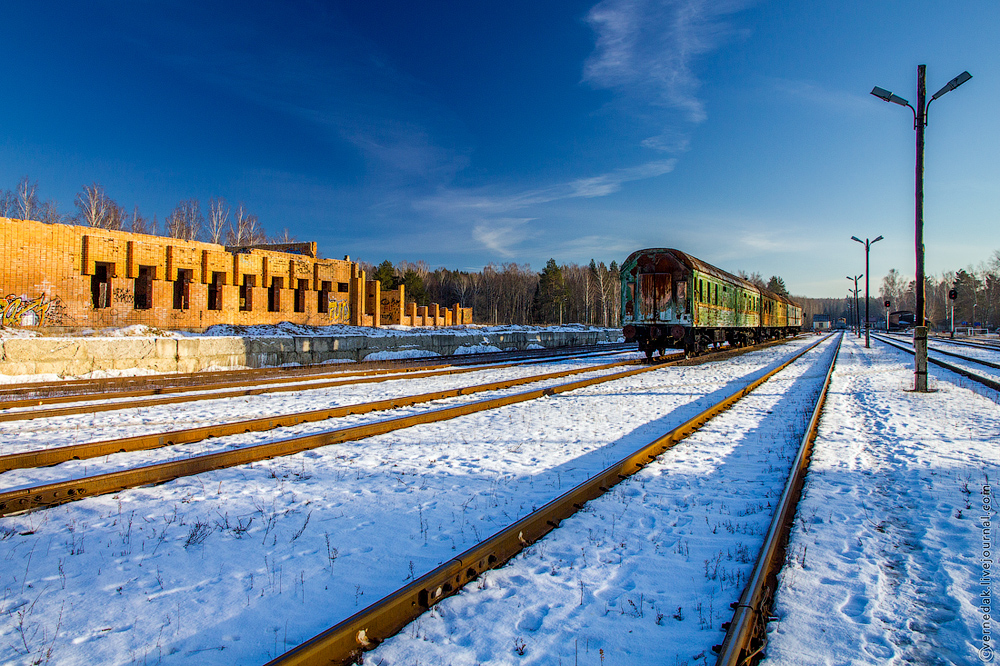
{"x": 168, "y": 384}
{"x": 56, "y": 455}
{"x": 291, "y": 385}
{"x": 51, "y": 494}
{"x": 746, "y": 633}
{"x": 968, "y": 374}
{"x": 345, "y": 642}
{"x": 984, "y": 344}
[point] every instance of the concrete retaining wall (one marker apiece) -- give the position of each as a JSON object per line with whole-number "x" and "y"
{"x": 77, "y": 356}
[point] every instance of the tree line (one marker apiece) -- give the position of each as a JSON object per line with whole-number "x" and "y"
{"x": 977, "y": 289}
{"x": 513, "y": 293}
{"x": 220, "y": 223}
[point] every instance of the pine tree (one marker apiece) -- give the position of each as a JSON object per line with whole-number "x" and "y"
{"x": 777, "y": 285}
{"x": 386, "y": 275}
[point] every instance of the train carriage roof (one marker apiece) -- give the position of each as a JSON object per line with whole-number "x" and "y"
{"x": 693, "y": 263}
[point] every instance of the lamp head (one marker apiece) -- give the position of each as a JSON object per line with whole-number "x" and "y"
{"x": 951, "y": 85}
{"x": 877, "y": 239}
{"x": 886, "y": 95}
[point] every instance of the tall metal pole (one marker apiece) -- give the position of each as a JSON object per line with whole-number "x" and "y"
{"x": 919, "y": 122}
{"x": 857, "y": 306}
{"x": 920, "y": 331}
{"x": 919, "y": 186}
{"x": 867, "y": 338}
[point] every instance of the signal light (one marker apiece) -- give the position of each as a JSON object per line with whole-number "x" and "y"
{"x": 953, "y": 294}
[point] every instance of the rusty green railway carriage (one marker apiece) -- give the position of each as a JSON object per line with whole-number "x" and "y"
{"x": 673, "y": 300}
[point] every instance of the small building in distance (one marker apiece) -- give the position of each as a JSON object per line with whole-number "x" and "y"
{"x": 69, "y": 277}
{"x": 821, "y": 322}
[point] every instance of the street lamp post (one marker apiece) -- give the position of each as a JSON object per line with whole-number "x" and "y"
{"x": 867, "y": 243}
{"x": 857, "y": 308}
{"x": 919, "y": 122}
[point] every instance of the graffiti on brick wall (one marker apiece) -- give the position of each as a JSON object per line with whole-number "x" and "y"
{"x": 340, "y": 312}
{"x": 123, "y": 295}
{"x": 24, "y": 311}
{"x": 390, "y": 307}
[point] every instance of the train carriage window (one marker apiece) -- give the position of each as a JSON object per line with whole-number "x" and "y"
{"x": 680, "y": 296}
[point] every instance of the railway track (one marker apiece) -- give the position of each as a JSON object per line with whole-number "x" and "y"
{"x": 50, "y": 494}
{"x": 20, "y": 410}
{"x": 991, "y": 382}
{"x": 346, "y": 642}
{"x": 36, "y": 393}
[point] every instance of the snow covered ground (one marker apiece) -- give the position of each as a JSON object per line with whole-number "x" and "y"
{"x": 885, "y": 562}
{"x": 970, "y": 362}
{"x": 239, "y": 565}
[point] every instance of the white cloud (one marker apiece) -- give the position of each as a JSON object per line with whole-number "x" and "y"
{"x": 502, "y": 235}
{"x": 646, "y": 48}
{"x": 454, "y": 202}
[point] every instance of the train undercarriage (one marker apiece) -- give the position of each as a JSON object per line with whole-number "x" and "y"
{"x": 657, "y": 339}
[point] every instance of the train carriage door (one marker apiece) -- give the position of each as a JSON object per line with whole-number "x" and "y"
{"x": 654, "y": 292}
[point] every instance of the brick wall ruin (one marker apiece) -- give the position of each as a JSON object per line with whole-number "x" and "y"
{"x": 64, "y": 276}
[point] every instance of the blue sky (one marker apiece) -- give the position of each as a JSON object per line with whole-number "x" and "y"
{"x": 466, "y": 133}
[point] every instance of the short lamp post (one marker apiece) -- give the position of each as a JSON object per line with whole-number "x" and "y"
{"x": 867, "y": 243}
{"x": 919, "y": 122}
{"x": 857, "y": 308}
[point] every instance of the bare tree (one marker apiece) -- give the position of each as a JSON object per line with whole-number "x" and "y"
{"x": 283, "y": 237}
{"x": 138, "y": 224}
{"x": 92, "y": 203}
{"x": 8, "y": 203}
{"x": 27, "y": 198}
{"x": 48, "y": 213}
{"x": 185, "y": 221}
{"x": 244, "y": 229}
{"x": 218, "y": 218}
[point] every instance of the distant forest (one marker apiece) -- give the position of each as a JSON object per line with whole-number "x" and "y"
{"x": 977, "y": 303}
{"x": 509, "y": 293}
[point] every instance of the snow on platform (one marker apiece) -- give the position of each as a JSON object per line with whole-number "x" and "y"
{"x": 885, "y": 561}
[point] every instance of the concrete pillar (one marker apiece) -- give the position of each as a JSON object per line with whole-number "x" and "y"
{"x": 411, "y": 312}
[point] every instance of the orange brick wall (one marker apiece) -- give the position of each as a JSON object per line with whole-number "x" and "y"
{"x": 50, "y": 277}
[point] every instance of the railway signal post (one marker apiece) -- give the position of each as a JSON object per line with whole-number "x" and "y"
{"x": 919, "y": 123}
{"x": 952, "y": 295}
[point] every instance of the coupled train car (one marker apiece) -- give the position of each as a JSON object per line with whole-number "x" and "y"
{"x": 673, "y": 300}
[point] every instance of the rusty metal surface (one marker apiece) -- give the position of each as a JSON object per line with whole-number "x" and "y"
{"x": 746, "y": 636}
{"x": 294, "y": 384}
{"x": 345, "y": 642}
{"x": 56, "y": 455}
{"x": 66, "y": 491}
